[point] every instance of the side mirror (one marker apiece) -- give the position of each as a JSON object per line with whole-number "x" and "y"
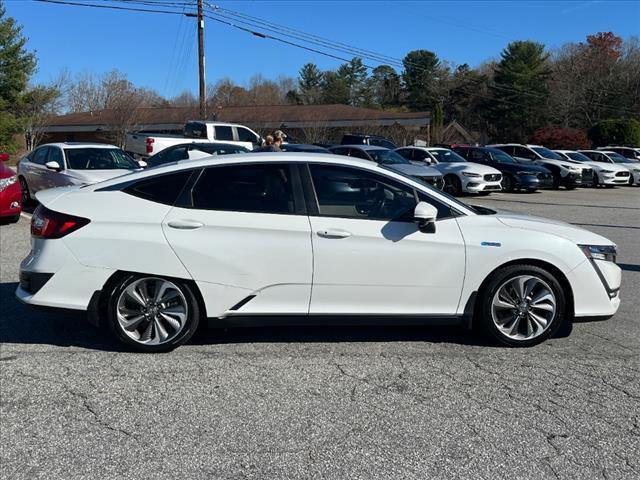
{"x": 425, "y": 216}
{"x": 143, "y": 164}
{"x": 4, "y": 157}
{"x": 53, "y": 165}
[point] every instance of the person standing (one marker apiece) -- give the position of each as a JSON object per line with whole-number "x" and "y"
{"x": 272, "y": 143}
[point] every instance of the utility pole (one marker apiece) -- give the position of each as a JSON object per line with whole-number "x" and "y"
{"x": 203, "y": 106}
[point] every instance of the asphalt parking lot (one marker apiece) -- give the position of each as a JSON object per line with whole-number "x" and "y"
{"x": 370, "y": 403}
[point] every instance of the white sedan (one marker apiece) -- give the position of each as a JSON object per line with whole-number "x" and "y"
{"x": 459, "y": 175}
{"x": 607, "y": 174}
{"x": 59, "y": 164}
{"x": 276, "y": 236}
{"x": 612, "y": 158}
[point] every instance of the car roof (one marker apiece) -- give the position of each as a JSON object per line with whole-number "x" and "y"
{"x": 78, "y": 145}
{"x": 362, "y": 147}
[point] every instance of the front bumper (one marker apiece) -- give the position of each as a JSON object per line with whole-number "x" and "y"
{"x": 596, "y": 288}
{"x": 613, "y": 179}
{"x": 533, "y": 182}
{"x": 572, "y": 179}
{"x": 478, "y": 185}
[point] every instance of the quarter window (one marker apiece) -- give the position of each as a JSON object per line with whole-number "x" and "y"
{"x": 245, "y": 188}
{"x": 224, "y": 133}
{"x": 160, "y": 189}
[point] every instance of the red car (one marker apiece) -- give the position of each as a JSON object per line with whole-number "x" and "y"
{"x": 10, "y": 193}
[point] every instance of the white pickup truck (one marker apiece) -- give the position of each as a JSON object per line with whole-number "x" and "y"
{"x": 143, "y": 145}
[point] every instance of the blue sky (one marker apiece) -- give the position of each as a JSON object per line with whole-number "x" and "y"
{"x": 159, "y": 51}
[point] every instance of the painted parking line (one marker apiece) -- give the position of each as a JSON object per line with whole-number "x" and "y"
{"x": 26, "y": 215}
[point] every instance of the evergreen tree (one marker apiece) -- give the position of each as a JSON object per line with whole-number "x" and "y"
{"x": 385, "y": 86}
{"x": 519, "y": 91}
{"x": 310, "y": 84}
{"x": 422, "y": 71}
{"x": 16, "y": 67}
{"x": 335, "y": 88}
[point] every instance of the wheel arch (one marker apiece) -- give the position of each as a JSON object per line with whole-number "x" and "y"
{"x": 99, "y": 301}
{"x": 473, "y": 304}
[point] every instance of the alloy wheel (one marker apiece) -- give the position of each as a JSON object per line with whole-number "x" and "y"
{"x": 152, "y": 311}
{"x": 523, "y": 307}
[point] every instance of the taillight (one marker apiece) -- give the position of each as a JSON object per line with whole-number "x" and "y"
{"x": 48, "y": 224}
{"x": 150, "y": 145}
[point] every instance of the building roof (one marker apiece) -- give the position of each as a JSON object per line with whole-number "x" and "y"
{"x": 267, "y": 116}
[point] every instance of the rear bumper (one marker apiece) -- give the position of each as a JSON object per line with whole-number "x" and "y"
{"x": 11, "y": 201}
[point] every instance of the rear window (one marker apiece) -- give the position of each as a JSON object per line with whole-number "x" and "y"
{"x": 160, "y": 189}
{"x": 99, "y": 159}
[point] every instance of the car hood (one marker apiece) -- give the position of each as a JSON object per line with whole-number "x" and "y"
{"x": 599, "y": 166}
{"x": 415, "y": 170}
{"x": 87, "y": 177}
{"x": 466, "y": 167}
{"x": 630, "y": 165}
{"x": 572, "y": 233}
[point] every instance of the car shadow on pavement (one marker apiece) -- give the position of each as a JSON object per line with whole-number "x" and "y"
{"x": 20, "y": 324}
{"x": 629, "y": 267}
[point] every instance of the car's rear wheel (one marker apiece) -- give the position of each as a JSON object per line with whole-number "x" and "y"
{"x": 26, "y": 195}
{"x": 522, "y": 305}
{"x": 153, "y": 314}
{"x": 452, "y": 185}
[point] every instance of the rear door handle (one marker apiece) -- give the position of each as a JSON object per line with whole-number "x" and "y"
{"x": 334, "y": 233}
{"x": 185, "y": 224}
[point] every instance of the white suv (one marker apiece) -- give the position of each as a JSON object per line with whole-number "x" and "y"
{"x": 566, "y": 174}
{"x": 459, "y": 175}
{"x": 272, "y": 235}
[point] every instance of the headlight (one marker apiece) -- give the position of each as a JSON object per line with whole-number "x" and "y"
{"x": 600, "y": 252}
{"x": 575, "y": 169}
{"x": 5, "y": 182}
{"x": 471, "y": 174}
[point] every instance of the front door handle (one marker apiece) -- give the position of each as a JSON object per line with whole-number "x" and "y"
{"x": 334, "y": 233}
{"x": 185, "y": 224}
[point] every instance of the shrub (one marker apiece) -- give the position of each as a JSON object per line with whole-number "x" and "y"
{"x": 620, "y": 131}
{"x": 561, "y": 138}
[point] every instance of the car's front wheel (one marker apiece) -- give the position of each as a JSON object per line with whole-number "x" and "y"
{"x": 452, "y": 185}
{"x": 522, "y": 305}
{"x": 26, "y": 195}
{"x": 152, "y": 314}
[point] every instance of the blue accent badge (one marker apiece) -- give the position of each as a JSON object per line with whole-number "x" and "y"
{"x": 491, "y": 244}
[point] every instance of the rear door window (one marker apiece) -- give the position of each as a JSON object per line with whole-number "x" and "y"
{"x": 224, "y": 133}
{"x": 245, "y": 188}
{"x": 195, "y": 130}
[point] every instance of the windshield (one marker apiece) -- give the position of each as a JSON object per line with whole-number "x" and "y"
{"x": 617, "y": 158}
{"x": 386, "y": 157}
{"x": 99, "y": 159}
{"x": 498, "y": 155}
{"x": 546, "y": 153}
{"x": 447, "y": 156}
{"x": 580, "y": 157}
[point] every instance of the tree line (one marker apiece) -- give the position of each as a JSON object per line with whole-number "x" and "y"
{"x": 528, "y": 93}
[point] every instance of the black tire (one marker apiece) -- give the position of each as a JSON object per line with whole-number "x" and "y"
{"x": 507, "y": 183}
{"x": 556, "y": 181}
{"x": 14, "y": 219}
{"x": 27, "y": 200}
{"x": 452, "y": 185}
{"x": 594, "y": 181}
{"x": 187, "y": 331}
{"x": 502, "y": 277}
{"x": 570, "y": 187}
